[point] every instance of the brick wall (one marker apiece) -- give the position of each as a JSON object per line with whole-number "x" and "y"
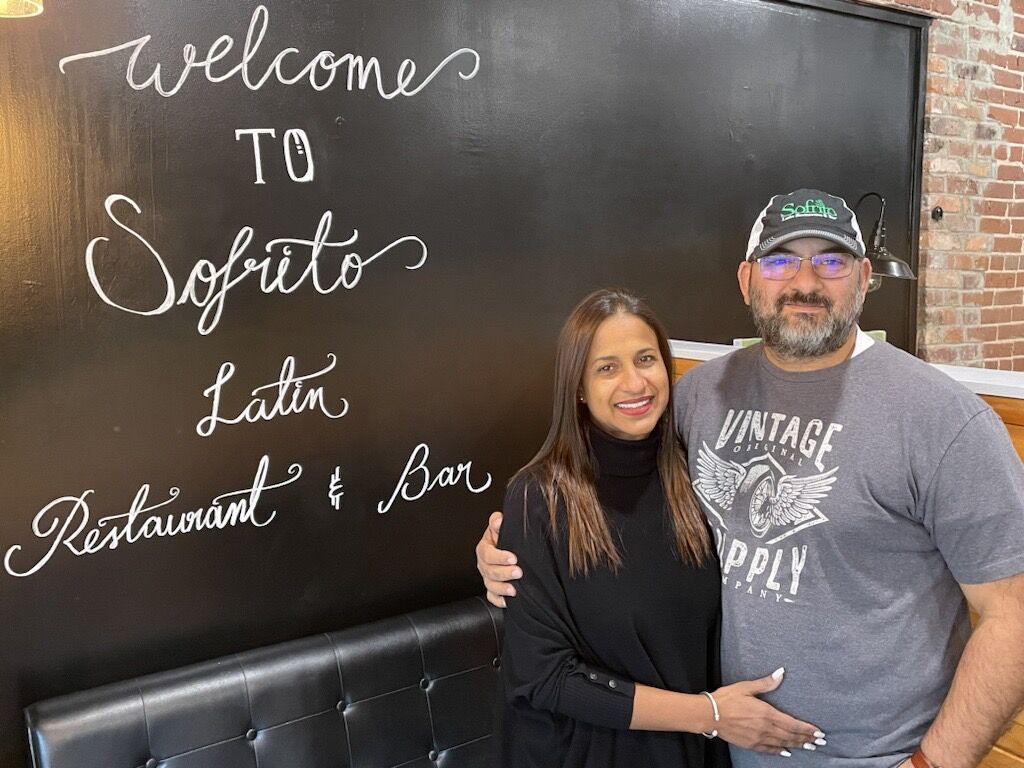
{"x": 971, "y": 289}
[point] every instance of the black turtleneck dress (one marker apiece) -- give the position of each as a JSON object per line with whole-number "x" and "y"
{"x": 575, "y": 646}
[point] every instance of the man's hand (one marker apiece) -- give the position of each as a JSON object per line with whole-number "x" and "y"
{"x": 496, "y": 565}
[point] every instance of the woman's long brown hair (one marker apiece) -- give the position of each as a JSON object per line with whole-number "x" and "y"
{"x": 565, "y": 468}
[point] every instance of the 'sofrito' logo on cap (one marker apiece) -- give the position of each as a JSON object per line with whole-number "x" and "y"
{"x": 808, "y": 208}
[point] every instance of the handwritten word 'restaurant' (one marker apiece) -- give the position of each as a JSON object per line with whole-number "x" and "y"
{"x": 66, "y": 521}
{"x": 320, "y": 71}
{"x": 207, "y": 285}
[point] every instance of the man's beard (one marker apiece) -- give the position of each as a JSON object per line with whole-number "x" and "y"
{"x": 803, "y": 336}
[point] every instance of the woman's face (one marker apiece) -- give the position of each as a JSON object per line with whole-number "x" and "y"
{"x": 625, "y": 384}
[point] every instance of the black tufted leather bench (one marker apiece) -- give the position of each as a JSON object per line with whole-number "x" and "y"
{"x": 417, "y": 691}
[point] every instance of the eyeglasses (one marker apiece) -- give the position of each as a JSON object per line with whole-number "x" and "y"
{"x": 783, "y": 266}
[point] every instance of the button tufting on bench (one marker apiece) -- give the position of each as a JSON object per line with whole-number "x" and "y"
{"x": 369, "y": 673}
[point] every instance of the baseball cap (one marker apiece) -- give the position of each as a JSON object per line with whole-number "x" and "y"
{"x": 805, "y": 213}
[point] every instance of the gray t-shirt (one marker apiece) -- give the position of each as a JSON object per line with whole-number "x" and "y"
{"x": 847, "y": 503}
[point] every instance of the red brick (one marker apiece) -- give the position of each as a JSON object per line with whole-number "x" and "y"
{"x": 999, "y": 190}
{"x": 968, "y": 262}
{"x": 974, "y": 298}
{"x": 973, "y": 112}
{"x": 950, "y": 87}
{"x": 983, "y": 12}
{"x": 960, "y": 148}
{"x": 945, "y": 126}
{"x": 1018, "y": 364}
{"x": 1018, "y": 348}
{"x": 1010, "y": 173}
{"x": 1004, "y": 297}
{"x": 961, "y": 186}
{"x": 982, "y": 333}
{"x": 987, "y": 94}
{"x": 1011, "y": 263}
{"x": 1001, "y": 77}
{"x": 997, "y": 349}
{"x": 951, "y": 48}
{"x": 996, "y": 314}
{"x": 1000, "y": 280}
{"x": 996, "y": 226}
{"x": 992, "y": 364}
{"x": 993, "y": 208}
{"x": 1011, "y": 331}
{"x": 992, "y": 57}
{"x": 1006, "y": 245}
{"x": 996, "y": 262}
{"x": 1017, "y": 313}
{"x": 1004, "y": 115}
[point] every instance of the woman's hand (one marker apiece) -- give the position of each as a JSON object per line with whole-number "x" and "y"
{"x": 750, "y": 723}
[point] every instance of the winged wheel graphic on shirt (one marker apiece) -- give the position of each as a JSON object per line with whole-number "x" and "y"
{"x": 774, "y": 500}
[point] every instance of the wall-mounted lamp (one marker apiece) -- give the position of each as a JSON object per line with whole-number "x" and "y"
{"x": 17, "y": 9}
{"x": 883, "y": 262}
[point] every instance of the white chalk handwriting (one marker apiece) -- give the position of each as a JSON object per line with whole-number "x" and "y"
{"x": 319, "y": 71}
{"x": 416, "y": 480}
{"x": 287, "y": 391}
{"x": 208, "y": 285}
{"x": 65, "y": 521}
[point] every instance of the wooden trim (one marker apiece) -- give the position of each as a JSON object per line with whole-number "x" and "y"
{"x": 1010, "y": 410}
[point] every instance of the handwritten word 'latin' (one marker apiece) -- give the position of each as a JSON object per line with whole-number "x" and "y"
{"x": 288, "y": 397}
{"x": 416, "y": 480}
{"x": 65, "y": 521}
{"x": 320, "y": 71}
{"x": 208, "y": 285}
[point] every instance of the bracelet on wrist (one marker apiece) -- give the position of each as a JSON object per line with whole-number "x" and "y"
{"x": 714, "y": 711}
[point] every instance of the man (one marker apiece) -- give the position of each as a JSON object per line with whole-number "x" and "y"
{"x": 857, "y": 496}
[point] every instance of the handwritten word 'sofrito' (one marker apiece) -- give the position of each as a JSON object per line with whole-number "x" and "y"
{"x": 320, "y": 71}
{"x": 66, "y": 521}
{"x": 417, "y": 480}
{"x": 208, "y": 285}
{"x": 287, "y": 393}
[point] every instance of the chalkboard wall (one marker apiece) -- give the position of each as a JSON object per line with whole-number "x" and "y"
{"x": 281, "y": 281}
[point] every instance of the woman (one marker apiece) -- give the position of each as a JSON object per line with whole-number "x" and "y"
{"x": 611, "y": 643}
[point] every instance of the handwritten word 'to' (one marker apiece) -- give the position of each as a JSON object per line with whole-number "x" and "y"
{"x": 208, "y": 285}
